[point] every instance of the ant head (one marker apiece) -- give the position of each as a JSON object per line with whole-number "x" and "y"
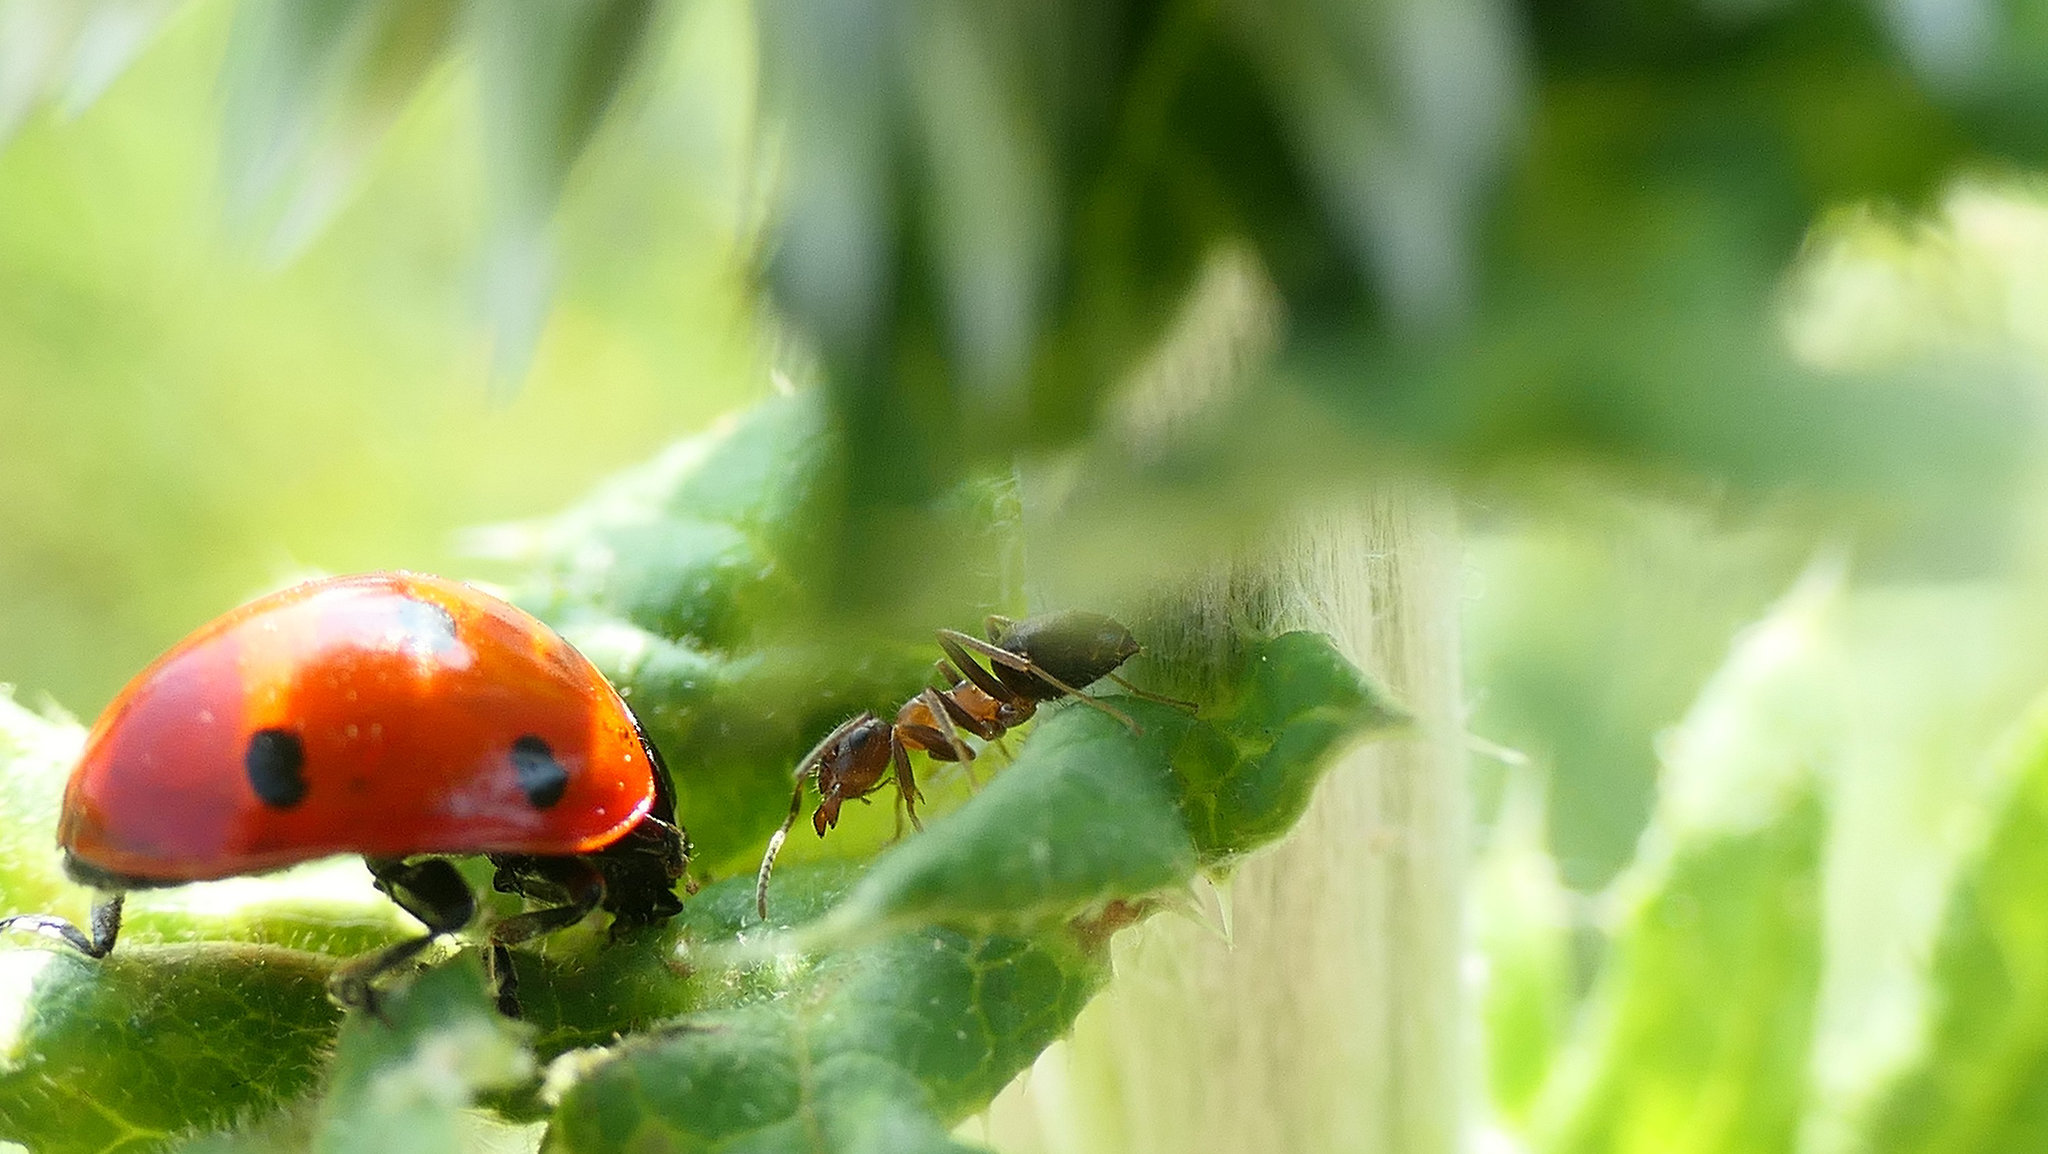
{"x": 857, "y": 758}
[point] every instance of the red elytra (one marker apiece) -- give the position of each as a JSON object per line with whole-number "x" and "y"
{"x": 387, "y": 714}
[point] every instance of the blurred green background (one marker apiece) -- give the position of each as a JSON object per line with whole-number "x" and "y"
{"x": 186, "y": 419}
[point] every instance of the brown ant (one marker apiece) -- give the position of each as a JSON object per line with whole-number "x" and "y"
{"x": 1030, "y": 662}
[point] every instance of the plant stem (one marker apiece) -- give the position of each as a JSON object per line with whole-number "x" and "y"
{"x": 1330, "y": 1020}
{"x": 1320, "y": 1008}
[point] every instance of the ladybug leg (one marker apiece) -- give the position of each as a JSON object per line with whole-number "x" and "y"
{"x": 503, "y": 978}
{"x": 577, "y": 883}
{"x": 105, "y": 927}
{"x": 430, "y": 890}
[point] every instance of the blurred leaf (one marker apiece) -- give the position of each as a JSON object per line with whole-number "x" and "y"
{"x": 1983, "y": 60}
{"x": 1930, "y": 680}
{"x": 1401, "y": 115}
{"x": 1980, "y": 1080}
{"x": 310, "y": 89}
{"x": 401, "y": 1078}
{"x": 548, "y": 73}
{"x": 1593, "y": 632}
{"x": 1700, "y": 1023}
{"x": 68, "y": 51}
{"x": 1703, "y": 1020}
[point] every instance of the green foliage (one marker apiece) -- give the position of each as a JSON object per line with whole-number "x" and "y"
{"x": 155, "y": 1041}
{"x": 1829, "y": 938}
{"x": 309, "y": 88}
{"x": 1092, "y": 813}
{"x": 1501, "y": 238}
{"x": 701, "y": 583}
{"x": 400, "y": 1080}
{"x": 912, "y": 991}
{"x": 1732, "y": 924}
{"x": 875, "y": 1048}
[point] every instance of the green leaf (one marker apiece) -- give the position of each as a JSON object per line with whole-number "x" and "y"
{"x": 1088, "y": 813}
{"x": 1597, "y": 632}
{"x": 402, "y": 1077}
{"x": 230, "y": 1030}
{"x": 703, "y": 544}
{"x": 881, "y": 1047}
{"x": 1980, "y": 1081}
{"x": 69, "y": 51}
{"x": 309, "y": 90}
{"x": 1700, "y": 1023}
{"x": 1091, "y": 812}
{"x": 702, "y": 584}
{"x": 548, "y": 74}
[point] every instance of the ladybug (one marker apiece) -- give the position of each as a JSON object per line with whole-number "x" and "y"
{"x": 399, "y": 716}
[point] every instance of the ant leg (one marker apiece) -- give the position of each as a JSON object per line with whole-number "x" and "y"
{"x": 942, "y": 716}
{"x": 987, "y": 729}
{"x": 989, "y": 683}
{"x": 995, "y": 625}
{"x": 432, "y": 891}
{"x": 1023, "y": 664}
{"x": 906, "y": 784}
{"x": 934, "y": 744}
{"x": 576, "y": 883}
{"x": 105, "y": 926}
{"x": 951, "y": 715}
{"x": 1148, "y": 695}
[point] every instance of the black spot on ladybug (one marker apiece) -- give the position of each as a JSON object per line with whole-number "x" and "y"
{"x": 540, "y": 775}
{"x": 275, "y": 761}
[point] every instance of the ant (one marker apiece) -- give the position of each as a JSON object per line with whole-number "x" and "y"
{"x": 1030, "y": 662}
